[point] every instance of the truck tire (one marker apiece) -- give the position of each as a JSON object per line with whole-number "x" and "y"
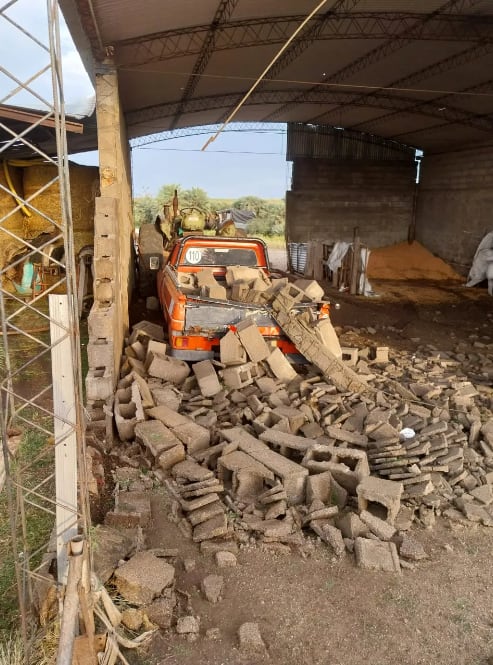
{"x": 150, "y": 259}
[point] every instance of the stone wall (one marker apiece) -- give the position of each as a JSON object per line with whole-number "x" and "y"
{"x": 455, "y": 203}
{"x": 329, "y": 198}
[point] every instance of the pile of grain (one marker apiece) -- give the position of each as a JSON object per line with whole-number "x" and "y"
{"x": 84, "y": 186}
{"x": 408, "y": 261}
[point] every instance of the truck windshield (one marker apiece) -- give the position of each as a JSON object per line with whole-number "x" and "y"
{"x": 219, "y": 256}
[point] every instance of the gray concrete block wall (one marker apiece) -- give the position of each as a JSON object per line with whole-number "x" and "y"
{"x": 455, "y": 200}
{"x": 330, "y": 198}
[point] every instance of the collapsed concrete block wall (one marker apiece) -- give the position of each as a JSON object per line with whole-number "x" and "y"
{"x": 455, "y": 199}
{"x": 330, "y": 197}
{"x": 113, "y": 254}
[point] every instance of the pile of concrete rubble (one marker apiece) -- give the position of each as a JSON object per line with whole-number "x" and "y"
{"x": 353, "y": 451}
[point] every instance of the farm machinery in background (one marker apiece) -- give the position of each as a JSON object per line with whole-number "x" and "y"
{"x": 155, "y": 241}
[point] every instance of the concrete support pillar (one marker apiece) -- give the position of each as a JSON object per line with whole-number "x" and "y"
{"x": 113, "y": 226}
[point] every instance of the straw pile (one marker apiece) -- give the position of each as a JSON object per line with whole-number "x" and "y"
{"x": 84, "y": 186}
{"x": 15, "y": 222}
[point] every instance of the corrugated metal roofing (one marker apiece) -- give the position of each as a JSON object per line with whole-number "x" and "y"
{"x": 397, "y": 68}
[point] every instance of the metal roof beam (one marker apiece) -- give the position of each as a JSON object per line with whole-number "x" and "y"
{"x": 486, "y": 86}
{"x": 381, "y": 52}
{"x": 454, "y": 61}
{"x": 223, "y": 13}
{"x": 173, "y": 44}
{"x": 318, "y": 96}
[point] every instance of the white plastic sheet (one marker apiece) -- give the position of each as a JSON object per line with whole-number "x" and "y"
{"x": 482, "y": 264}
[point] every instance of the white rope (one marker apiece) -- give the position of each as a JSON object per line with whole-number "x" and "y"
{"x": 274, "y": 59}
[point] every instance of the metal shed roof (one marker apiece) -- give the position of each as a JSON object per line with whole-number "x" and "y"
{"x": 417, "y": 71}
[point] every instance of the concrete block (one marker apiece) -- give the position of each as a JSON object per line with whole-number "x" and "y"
{"x": 205, "y": 277}
{"x": 144, "y": 391}
{"x": 99, "y": 383}
{"x": 241, "y": 274}
{"x": 154, "y": 346}
{"x": 169, "y": 458}
{"x": 105, "y": 245}
{"x": 237, "y": 377}
{"x": 318, "y": 488}
{"x": 205, "y": 513}
{"x": 351, "y": 526}
{"x": 104, "y": 290}
{"x": 143, "y": 578}
{"x": 101, "y": 321}
{"x": 194, "y": 436}
{"x": 206, "y": 378}
{"x": 104, "y": 268}
{"x": 215, "y": 291}
{"x": 375, "y": 555}
{"x": 139, "y": 350}
{"x": 330, "y": 535}
{"x": 100, "y": 353}
{"x": 349, "y": 355}
{"x": 231, "y": 350}
{"x": 147, "y": 330}
{"x": 242, "y": 475}
{"x": 292, "y": 475}
{"x": 126, "y": 413}
{"x": 167, "y": 368}
{"x": 380, "y": 497}
{"x": 155, "y": 437}
{"x": 312, "y": 288}
{"x": 214, "y": 528}
{"x": 380, "y": 354}
{"x": 317, "y": 458}
{"x": 280, "y": 366}
{"x": 349, "y": 466}
{"x": 325, "y": 332}
{"x": 295, "y": 417}
{"x": 381, "y": 529}
{"x": 240, "y": 291}
{"x": 106, "y": 215}
{"x": 252, "y": 340}
{"x": 288, "y": 297}
{"x": 136, "y": 504}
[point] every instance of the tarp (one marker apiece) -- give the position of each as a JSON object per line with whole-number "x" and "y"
{"x": 239, "y": 217}
{"x": 482, "y": 264}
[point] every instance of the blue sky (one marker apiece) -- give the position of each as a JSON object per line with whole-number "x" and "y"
{"x": 236, "y": 164}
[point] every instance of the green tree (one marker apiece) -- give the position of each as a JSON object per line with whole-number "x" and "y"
{"x": 195, "y": 197}
{"x": 146, "y": 208}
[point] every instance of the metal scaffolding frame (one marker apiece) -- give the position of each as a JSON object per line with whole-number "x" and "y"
{"x": 36, "y": 408}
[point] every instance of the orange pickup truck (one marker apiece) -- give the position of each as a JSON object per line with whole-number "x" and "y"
{"x": 195, "y": 322}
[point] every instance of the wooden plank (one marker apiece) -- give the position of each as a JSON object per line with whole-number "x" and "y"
{"x": 64, "y": 429}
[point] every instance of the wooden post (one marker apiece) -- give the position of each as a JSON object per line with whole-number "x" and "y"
{"x": 64, "y": 429}
{"x": 355, "y": 263}
{"x": 70, "y": 615}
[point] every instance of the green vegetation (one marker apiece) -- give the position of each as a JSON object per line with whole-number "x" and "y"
{"x": 34, "y": 457}
{"x": 269, "y": 213}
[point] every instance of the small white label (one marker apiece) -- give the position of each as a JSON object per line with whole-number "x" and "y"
{"x": 193, "y": 256}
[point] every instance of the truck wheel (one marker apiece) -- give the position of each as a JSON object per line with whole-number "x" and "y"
{"x": 150, "y": 259}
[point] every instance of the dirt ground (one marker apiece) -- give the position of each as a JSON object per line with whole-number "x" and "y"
{"x": 315, "y": 610}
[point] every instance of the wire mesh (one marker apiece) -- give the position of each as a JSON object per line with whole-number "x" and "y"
{"x": 34, "y": 335}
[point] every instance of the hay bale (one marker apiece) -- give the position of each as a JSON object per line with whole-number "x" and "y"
{"x": 84, "y": 187}
{"x": 15, "y": 222}
{"x": 10, "y": 247}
